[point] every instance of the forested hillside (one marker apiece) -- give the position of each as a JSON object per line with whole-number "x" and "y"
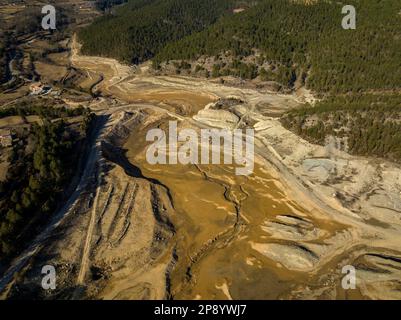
{"x": 138, "y": 30}
{"x": 363, "y": 124}
{"x": 105, "y": 5}
{"x": 43, "y": 160}
{"x": 308, "y": 42}
{"x": 356, "y": 72}
{"x": 294, "y": 41}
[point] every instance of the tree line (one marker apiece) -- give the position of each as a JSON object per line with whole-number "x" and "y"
{"x": 307, "y": 43}
{"x": 138, "y": 30}
{"x": 42, "y": 163}
{"x": 4, "y": 45}
{"x": 296, "y": 41}
{"x": 28, "y": 108}
{"x": 367, "y": 124}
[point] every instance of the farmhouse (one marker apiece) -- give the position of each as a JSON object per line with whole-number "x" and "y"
{"x": 238, "y": 10}
{"x": 6, "y": 139}
{"x": 39, "y": 88}
{"x": 36, "y": 88}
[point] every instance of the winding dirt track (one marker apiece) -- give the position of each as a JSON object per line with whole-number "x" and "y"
{"x": 85, "y": 255}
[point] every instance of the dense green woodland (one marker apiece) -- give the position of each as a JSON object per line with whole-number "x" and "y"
{"x": 309, "y": 42}
{"x": 28, "y": 109}
{"x": 138, "y": 30}
{"x": 301, "y": 42}
{"x": 42, "y": 163}
{"x": 371, "y": 124}
{"x": 105, "y": 5}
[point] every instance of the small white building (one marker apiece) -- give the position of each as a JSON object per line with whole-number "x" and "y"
{"x": 36, "y": 88}
{"x": 238, "y": 10}
{"x": 39, "y": 88}
{"x": 6, "y": 139}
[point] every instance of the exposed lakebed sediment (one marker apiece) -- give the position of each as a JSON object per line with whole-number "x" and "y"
{"x": 202, "y": 232}
{"x": 236, "y": 237}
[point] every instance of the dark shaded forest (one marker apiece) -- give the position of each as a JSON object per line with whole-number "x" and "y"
{"x": 138, "y": 30}
{"x": 4, "y": 44}
{"x": 308, "y": 43}
{"x": 42, "y": 162}
{"x": 357, "y": 73}
{"x": 106, "y": 5}
{"x": 299, "y": 42}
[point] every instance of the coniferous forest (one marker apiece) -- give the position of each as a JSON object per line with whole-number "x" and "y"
{"x": 356, "y": 73}
{"x": 138, "y": 30}
{"x": 365, "y": 124}
{"x": 41, "y": 166}
{"x": 300, "y": 41}
{"x": 309, "y": 42}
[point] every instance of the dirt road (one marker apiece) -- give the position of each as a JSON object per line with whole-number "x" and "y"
{"x": 85, "y": 255}
{"x": 88, "y": 170}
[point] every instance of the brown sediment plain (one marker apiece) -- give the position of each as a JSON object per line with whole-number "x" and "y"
{"x": 123, "y": 83}
{"x": 289, "y": 229}
{"x": 141, "y": 231}
{"x": 228, "y": 229}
